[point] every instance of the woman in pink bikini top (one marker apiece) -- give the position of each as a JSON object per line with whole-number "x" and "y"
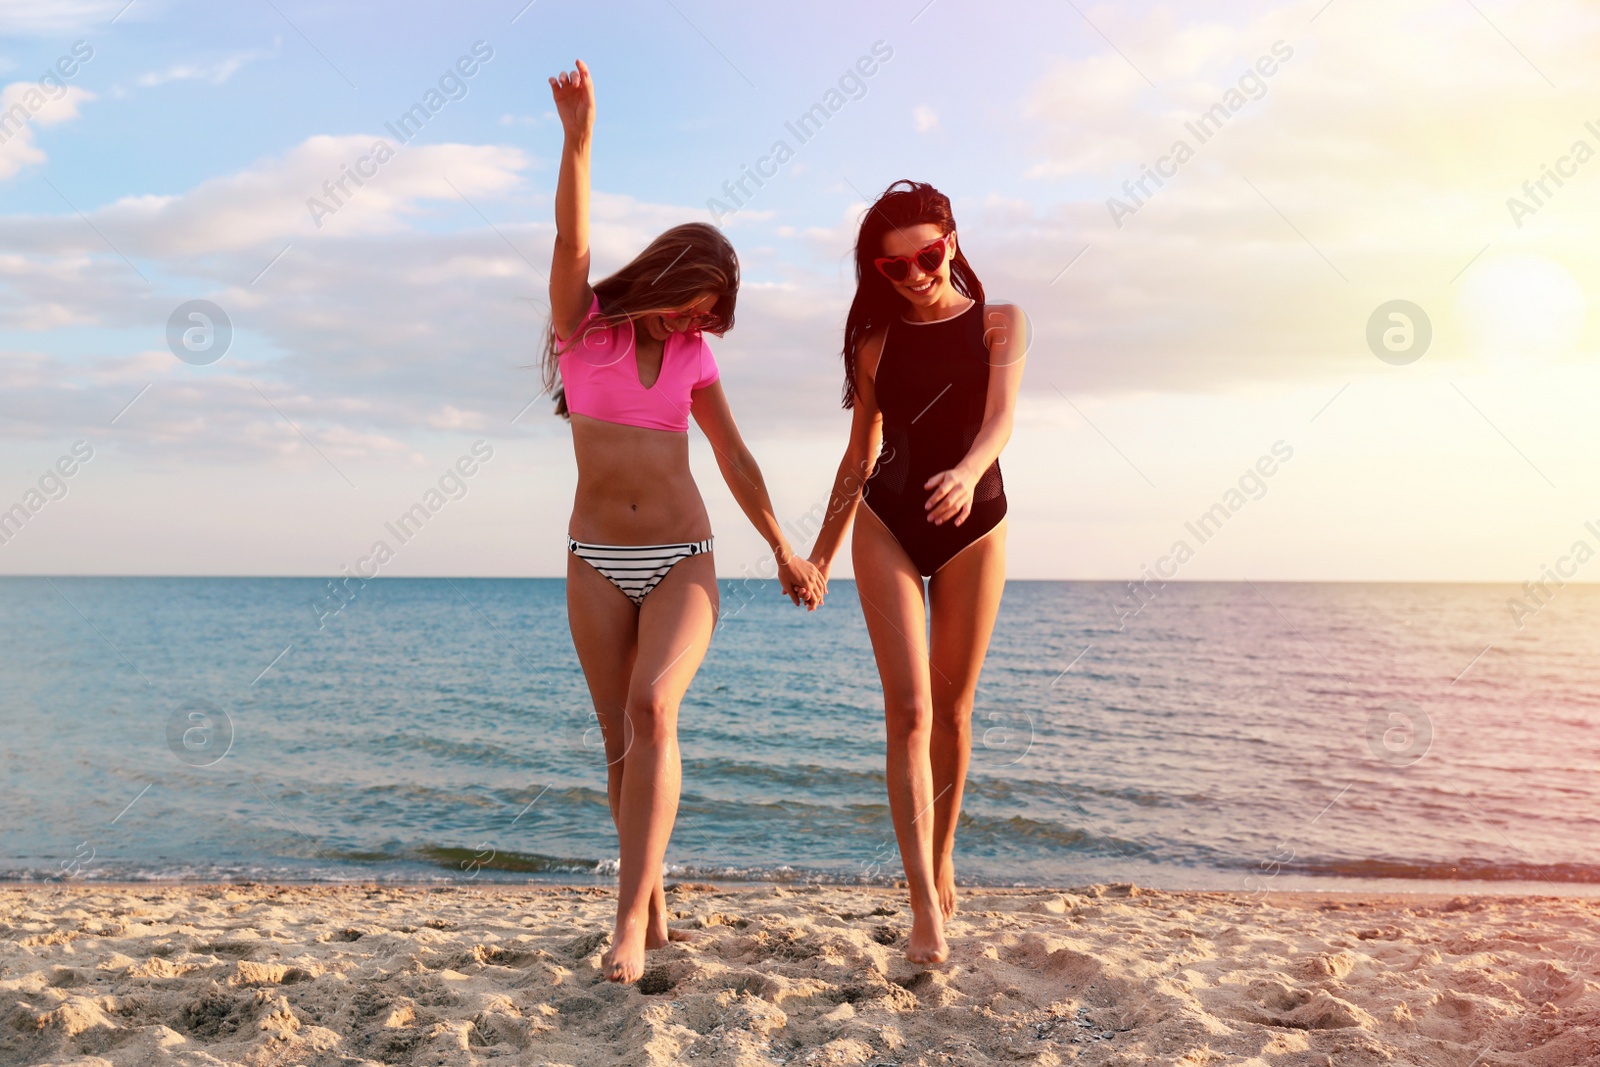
{"x": 629, "y": 364}
{"x": 600, "y": 379}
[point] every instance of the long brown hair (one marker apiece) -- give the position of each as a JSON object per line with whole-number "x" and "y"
{"x": 674, "y": 270}
{"x": 905, "y": 203}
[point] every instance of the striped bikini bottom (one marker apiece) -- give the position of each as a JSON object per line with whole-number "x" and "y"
{"x": 636, "y": 569}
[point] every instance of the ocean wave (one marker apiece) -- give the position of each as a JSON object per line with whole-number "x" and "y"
{"x": 1472, "y": 870}
{"x": 470, "y": 861}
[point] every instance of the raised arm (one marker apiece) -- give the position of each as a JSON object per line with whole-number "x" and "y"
{"x": 570, "y": 295}
{"x": 866, "y": 433}
{"x": 798, "y": 579}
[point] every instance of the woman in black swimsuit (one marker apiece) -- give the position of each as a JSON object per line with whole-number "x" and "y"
{"x": 931, "y": 373}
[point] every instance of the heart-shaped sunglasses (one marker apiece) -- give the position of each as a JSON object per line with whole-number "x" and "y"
{"x": 696, "y": 322}
{"x": 898, "y": 268}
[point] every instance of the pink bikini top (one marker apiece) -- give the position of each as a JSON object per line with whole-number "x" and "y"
{"x": 601, "y": 375}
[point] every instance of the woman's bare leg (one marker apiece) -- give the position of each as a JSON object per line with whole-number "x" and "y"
{"x": 963, "y": 598}
{"x": 890, "y": 590}
{"x": 675, "y": 626}
{"x": 605, "y": 627}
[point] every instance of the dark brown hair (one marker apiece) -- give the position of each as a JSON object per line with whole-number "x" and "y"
{"x": 673, "y": 271}
{"x": 905, "y": 203}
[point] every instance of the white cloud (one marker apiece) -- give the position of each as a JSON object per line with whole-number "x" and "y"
{"x": 1367, "y": 169}
{"x": 544, "y": 118}
{"x": 365, "y": 332}
{"x": 924, "y": 118}
{"x": 30, "y": 18}
{"x": 24, "y": 105}
{"x": 451, "y": 417}
{"x": 266, "y": 205}
{"x": 375, "y": 326}
{"x": 215, "y": 72}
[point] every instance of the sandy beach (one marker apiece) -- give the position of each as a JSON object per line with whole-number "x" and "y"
{"x": 315, "y": 975}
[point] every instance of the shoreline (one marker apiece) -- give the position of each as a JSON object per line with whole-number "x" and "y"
{"x": 136, "y": 974}
{"x": 1391, "y": 889}
{"x": 608, "y": 882}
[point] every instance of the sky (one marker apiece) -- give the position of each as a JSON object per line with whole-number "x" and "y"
{"x": 1325, "y": 186}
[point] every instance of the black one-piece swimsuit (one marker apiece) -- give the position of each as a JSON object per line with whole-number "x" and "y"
{"x": 932, "y": 386}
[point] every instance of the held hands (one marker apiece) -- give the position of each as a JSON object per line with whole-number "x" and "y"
{"x": 952, "y": 495}
{"x": 801, "y": 581}
{"x": 823, "y": 565}
{"x": 573, "y": 92}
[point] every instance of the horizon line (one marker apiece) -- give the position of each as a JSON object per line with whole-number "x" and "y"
{"x": 317, "y": 576}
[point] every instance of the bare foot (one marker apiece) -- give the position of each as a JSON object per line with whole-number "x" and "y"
{"x": 657, "y": 932}
{"x": 625, "y": 961}
{"x": 944, "y": 880}
{"x": 926, "y": 943}
{"x": 652, "y": 940}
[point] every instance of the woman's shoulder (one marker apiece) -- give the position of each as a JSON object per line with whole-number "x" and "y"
{"x": 869, "y": 355}
{"x": 1003, "y": 323}
{"x": 870, "y": 348}
{"x": 696, "y": 357}
{"x": 586, "y": 325}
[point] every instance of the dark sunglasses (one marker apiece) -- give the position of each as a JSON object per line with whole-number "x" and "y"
{"x": 898, "y": 268}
